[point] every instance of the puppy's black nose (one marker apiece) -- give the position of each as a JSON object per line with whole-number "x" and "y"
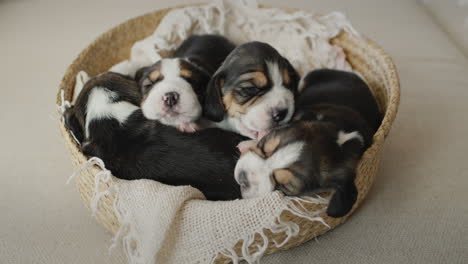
{"x": 279, "y": 115}
{"x": 170, "y": 99}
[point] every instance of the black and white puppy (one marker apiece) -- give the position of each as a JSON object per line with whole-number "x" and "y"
{"x": 319, "y": 151}
{"x": 109, "y": 124}
{"x": 173, "y": 88}
{"x": 253, "y": 91}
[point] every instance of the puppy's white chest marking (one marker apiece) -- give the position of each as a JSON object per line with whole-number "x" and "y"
{"x": 100, "y": 106}
{"x": 279, "y": 96}
{"x": 344, "y": 137}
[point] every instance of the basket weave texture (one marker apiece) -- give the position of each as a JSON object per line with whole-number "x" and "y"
{"x": 364, "y": 55}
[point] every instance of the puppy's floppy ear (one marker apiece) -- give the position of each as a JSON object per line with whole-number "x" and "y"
{"x": 213, "y": 105}
{"x": 90, "y": 149}
{"x": 343, "y": 199}
{"x": 72, "y": 123}
{"x": 139, "y": 74}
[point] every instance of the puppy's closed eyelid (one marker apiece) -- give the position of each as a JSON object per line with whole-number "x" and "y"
{"x": 247, "y": 84}
{"x": 258, "y": 78}
{"x": 146, "y": 82}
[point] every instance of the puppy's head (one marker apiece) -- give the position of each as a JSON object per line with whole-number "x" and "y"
{"x": 172, "y": 91}
{"x": 301, "y": 159}
{"x": 254, "y": 89}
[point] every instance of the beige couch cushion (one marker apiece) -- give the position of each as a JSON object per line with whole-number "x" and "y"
{"x": 452, "y": 17}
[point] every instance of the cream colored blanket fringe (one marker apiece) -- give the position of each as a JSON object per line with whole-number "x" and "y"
{"x": 167, "y": 224}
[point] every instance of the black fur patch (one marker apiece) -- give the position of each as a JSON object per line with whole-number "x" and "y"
{"x": 331, "y": 101}
{"x": 145, "y": 149}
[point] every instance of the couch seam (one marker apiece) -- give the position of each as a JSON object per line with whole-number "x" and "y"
{"x": 442, "y": 28}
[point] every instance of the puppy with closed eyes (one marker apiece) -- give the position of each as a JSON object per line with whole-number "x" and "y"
{"x": 319, "y": 151}
{"x": 253, "y": 91}
{"x": 173, "y": 89}
{"x": 109, "y": 124}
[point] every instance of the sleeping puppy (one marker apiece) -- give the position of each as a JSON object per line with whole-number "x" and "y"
{"x": 320, "y": 150}
{"x": 336, "y": 87}
{"x": 110, "y": 125}
{"x": 253, "y": 91}
{"x": 173, "y": 88}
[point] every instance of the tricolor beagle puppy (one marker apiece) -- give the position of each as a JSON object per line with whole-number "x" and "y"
{"x": 108, "y": 122}
{"x": 319, "y": 151}
{"x": 253, "y": 91}
{"x": 173, "y": 88}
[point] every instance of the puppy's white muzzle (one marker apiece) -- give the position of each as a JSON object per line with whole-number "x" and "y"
{"x": 263, "y": 116}
{"x": 253, "y": 174}
{"x": 186, "y": 109}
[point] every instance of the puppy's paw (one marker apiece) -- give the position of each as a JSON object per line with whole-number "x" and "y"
{"x": 188, "y": 127}
{"x": 261, "y": 134}
{"x": 246, "y": 145}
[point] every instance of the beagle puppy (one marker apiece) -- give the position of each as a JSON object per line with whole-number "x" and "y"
{"x": 253, "y": 91}
{"x": 319, "y": 151}
{"x": 173, "y": 88}
{"x": 108, "y": 122}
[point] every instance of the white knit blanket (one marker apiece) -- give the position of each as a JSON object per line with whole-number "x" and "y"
{"x": 167, "y": 224}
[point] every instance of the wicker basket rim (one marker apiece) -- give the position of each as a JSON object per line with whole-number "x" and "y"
{"x": 106, "y": 217}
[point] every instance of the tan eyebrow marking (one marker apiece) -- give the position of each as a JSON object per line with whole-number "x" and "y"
{"x": 155, "y": 75}
{"x": 283, "y": 176}
{"x": 258, "y": 78}
{"x": 186, "y": 73}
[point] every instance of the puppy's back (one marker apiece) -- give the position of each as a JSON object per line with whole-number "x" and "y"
{"x": 343, "y": 88}
{"x": 204, "y": 159}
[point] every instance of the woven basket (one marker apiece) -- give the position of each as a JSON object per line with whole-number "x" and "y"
{"x": 114, "y": 46}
